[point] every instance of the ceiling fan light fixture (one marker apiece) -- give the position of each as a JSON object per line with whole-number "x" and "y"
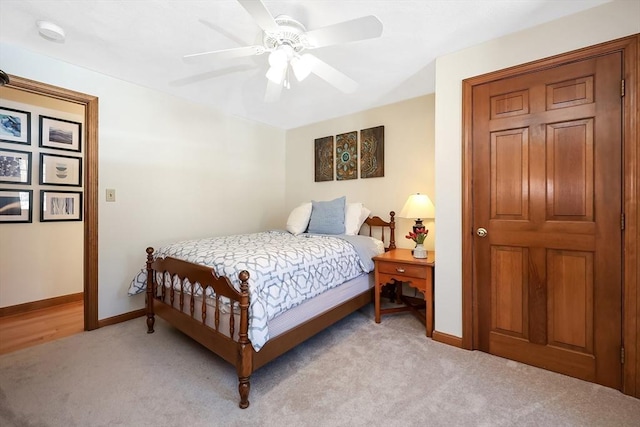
{"x": 278, "y": 58}
{"x": 276, "y": 74}
{"x": 301, "y": 67}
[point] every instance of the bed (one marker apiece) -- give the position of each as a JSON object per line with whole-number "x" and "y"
{"x": 217, "y": 308}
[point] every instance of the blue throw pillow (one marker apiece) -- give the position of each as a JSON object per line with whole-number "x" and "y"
{"x": 327, "y": 217}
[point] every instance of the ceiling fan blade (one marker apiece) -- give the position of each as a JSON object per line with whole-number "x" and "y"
{"x": 260, "y": 14}
{"x": 223, "y": 32}
{"x": 367, "y": 27}
{"x": 217, "y": 55}
{"x": 209, "y": 75}
{"x": 272, "y": 94}
{"x": 329, "y": 74}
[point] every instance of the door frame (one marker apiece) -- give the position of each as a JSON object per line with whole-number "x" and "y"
{"x": 629, "y": 47}
{"x": 90, "y": 251}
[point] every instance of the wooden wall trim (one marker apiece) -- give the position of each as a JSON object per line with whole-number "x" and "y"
{"x": 121, "y": 318}
{"x": 38, "y": 305}
{"x": 631, "y": 234}
{"x": 469, "y": 328}
{"x": 91, "y": 216}
{"x": 448, "y": 339}
{"x": 90, "y": 103}
{"x": 630, "y": 48}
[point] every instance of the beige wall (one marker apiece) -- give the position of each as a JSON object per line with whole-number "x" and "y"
{"x": 180, "y": 171}
{"x": 39, "y": 260}
{"x": 408, "y": 160}
{"x": 603, "y": 23}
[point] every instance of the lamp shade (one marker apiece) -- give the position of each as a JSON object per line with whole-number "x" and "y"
{"x": 418, "y": 206}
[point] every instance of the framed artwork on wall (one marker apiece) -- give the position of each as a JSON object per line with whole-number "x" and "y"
{"x": 324, "y": 159}
{"x": 15, "y": 167}
{"x": 60, "y": 134}
{"x": 347, "y": 156}
{"x": 15, "y": 126}
{"x": 60, "y": 170}
{"x": 372, "y": 152}
{"x": 60, "y": 205}
{"x": 15, "y": 206}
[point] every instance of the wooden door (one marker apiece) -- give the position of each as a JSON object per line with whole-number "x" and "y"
{"x": 547, "y": 188}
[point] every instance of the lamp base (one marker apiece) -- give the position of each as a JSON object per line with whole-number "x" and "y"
{"x": 418, "y": 225}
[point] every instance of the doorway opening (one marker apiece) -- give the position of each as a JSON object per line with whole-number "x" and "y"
{"x": 90, "y": 192}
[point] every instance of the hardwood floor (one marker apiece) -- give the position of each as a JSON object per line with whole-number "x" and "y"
{"x": 39, "y": 326}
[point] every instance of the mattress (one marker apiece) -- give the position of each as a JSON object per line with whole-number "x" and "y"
{"x": 285, "y": 321}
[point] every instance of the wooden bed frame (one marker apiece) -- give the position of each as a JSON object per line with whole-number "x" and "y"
{"x": 238, "y": 352}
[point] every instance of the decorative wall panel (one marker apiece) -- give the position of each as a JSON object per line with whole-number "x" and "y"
{"x": 347, "y": 156}
{"x": 324, "y": 159}
{"x": 372, "y": 152}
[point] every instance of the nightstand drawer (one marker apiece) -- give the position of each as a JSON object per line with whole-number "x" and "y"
{"x": 404, "y": 270}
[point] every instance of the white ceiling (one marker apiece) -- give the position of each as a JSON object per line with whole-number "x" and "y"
{"x": 143, "y": 41}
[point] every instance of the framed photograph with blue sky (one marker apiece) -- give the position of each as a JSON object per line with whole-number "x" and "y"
{"x": 15, "y": 126}
{"x": 15, "y": 167}
{"x": 60, "y": 134}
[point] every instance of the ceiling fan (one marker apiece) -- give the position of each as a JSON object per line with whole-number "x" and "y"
{"x": 287, "y": 40}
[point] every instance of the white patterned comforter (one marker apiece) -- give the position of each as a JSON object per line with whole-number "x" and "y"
{"x": 284, "y": 269}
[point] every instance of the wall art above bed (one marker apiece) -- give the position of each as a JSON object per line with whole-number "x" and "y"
{"x": 324, "y": 159}
{"x": 372, "y": 152}
{"x": 347, "y": 156}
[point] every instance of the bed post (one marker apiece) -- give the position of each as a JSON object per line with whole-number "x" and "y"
{"x": 245, "y": 360}
{"x": 392, "y": 228}
{"x": 150, "y": 313}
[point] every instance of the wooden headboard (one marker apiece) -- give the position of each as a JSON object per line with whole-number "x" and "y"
{"x": 375, "y": 222}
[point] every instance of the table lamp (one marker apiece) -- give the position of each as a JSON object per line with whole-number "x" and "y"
{"x": 418, "y": 207}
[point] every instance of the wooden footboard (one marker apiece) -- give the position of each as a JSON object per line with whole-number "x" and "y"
{"x": 166, "y": 274}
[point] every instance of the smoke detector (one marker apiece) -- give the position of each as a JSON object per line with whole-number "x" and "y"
{"x": 50, "y": 31}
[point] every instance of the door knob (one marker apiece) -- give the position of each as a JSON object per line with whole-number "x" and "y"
{"x": 481, "y": 232}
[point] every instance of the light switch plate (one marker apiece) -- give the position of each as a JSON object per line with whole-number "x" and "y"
{"x": 111, "y": 195}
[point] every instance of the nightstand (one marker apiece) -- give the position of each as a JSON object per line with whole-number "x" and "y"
{"x": 400, "y": 265}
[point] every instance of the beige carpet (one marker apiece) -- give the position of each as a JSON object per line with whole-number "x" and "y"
{"x": 356, "y": 373}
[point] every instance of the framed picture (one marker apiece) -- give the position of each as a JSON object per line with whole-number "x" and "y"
{"x": 60, "y": 205}
{"x": 372, "y": 152}
{"x": 324, "y": 159}
{"x": 60, "y": 134}
{"x": 15, "y": 206}
{"x": 347, "y": 156}
{"x": 60, "y": 170}
{"x": 15, "y": 126}
{"x": 15, "y": 167}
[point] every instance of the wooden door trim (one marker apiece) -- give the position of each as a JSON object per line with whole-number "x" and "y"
{"x": 90, "y": 197}
{"x": 629, "y": 46}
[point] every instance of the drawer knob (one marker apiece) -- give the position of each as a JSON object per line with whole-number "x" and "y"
{"x": 400, "y": 270}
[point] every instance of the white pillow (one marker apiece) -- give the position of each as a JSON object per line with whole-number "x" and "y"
{"x": 354, "y": 216}
{"x": 363, "y": 216}
{"x": 299, "y": 219}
